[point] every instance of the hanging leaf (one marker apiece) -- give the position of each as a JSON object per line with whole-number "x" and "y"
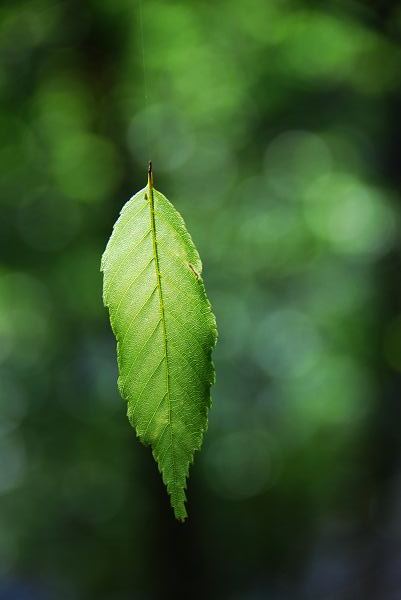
{"x": 165, "y": 332}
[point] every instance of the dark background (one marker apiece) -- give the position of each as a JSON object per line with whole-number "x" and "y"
{"x": 274, "y": 127}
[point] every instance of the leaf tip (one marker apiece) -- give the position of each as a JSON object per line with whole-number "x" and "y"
{"x": 180, "y": 514}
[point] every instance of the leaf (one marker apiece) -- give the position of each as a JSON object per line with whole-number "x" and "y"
{"x": 165, "y": 332}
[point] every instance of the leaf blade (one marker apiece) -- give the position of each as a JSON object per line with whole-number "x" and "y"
{"x": 165, "y": 332}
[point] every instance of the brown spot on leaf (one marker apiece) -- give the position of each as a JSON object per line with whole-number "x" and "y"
{"x": 194, "y": 271}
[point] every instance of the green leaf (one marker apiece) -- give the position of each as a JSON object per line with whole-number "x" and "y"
{"x": 165, "y": 332}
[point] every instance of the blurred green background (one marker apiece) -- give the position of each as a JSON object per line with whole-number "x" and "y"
{"x": 274, "y": 127}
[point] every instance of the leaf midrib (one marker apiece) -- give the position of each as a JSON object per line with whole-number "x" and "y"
{"x": 163, "y": 319}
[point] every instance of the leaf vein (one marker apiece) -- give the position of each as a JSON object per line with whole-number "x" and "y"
{"x": 190, "y": 330}
{"x": 122, "y": 264}
{"x": 143, "y": 346}
{"x": 146, "y": 385}
{"x": 125, "y": 293}
{"x": 154, "y": 414}
{"x": 127, "y": 222}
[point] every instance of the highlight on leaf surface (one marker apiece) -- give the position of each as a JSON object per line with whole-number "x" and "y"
{"x": 165, "y": 332}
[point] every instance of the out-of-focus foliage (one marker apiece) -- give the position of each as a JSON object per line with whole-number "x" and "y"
{"x": 282, "y": 118}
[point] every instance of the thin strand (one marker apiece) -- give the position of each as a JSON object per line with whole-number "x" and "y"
{"x": 145, "y": 77}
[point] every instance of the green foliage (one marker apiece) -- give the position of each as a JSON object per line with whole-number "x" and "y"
{"x": 165, "y": 332}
